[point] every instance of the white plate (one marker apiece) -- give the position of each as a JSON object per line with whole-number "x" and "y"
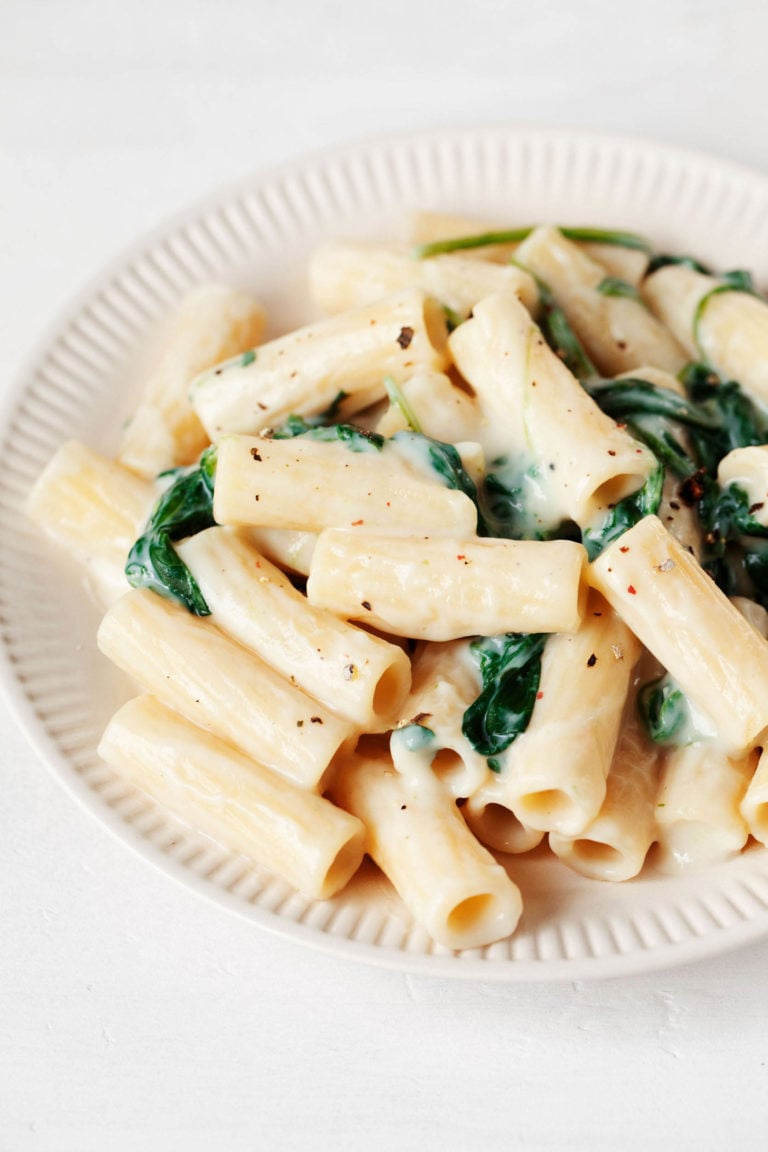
{"x": 259, "y": 234}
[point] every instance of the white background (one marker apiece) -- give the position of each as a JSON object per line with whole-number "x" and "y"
{"x": 133, "y": 1015}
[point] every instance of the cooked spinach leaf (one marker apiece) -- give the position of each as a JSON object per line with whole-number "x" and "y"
{"x": 664, "y": 711}
{"x": 354, "y": 438}
{"x": 398, "y": 398}
{"x": 517, "y": 235}
{"x": 614, "y": 286}
{"x": 644, "y": 502}
{"x": 558, "y": 333}
{"x": 510, "y": 668}
{"x": 184, "y": 508}
{"x": 664, "y": 259}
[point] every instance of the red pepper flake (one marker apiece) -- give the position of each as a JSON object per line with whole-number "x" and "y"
{"x": 624, "y": 548}
{"x": 539, "y": 695}
{"x": 405, "y": 337}
{"x": 611, "y": 452}
{"x": 357, "y": 523}
{"x": 631, "y": 589}
{"x": 460, "y": 556}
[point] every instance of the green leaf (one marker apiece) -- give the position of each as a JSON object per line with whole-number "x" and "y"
{"x": 631, "y": 395}
{"x": 665, "y": 712}
{"x": 184, "y": 509}
{"x": 663, "y": 260}
{"x": 414, "y": 737}
{"x": 400, "y": 401}
{"x": 352, "y": 437}
{"x": 644, "y": 502}
{"x": 154, "y": 563}
{"x": 517, "y": 235}
{"x": 510, "y": 668}
{"x": 613, "y": 286}
{"x": 559, "y": 334}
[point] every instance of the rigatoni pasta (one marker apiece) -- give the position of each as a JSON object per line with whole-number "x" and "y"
{"x": 232, "y": 798}
{"x": 414, "y": 581}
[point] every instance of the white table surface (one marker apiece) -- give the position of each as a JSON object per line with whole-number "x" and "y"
{"x": 134, "y": 1015}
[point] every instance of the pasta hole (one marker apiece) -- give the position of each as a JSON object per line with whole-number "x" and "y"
{"x": 469, "y": 913}
{"x": 447, "y": 764}
{"x": 615, "y": 489}
{"x": 499, "y": 828}
{"x": 551, "y": 804}
{"x": 344, "y": 866}
{"x": 596, "y": 852}
{"x": 391, "y": 689}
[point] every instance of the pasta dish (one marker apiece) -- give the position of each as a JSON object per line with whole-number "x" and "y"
{"x": 474, "y": 562}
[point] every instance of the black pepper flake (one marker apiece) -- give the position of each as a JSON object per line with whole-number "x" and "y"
{"x": 674, "y": 505}
{"x": 255, "y": 454}
{"x": 315, "y": 719}
{"x": 621, "y": 344}
{"x": 366, "y": 604}
{"x": 592, "y": 661}
{"x": 403, "y": 807}
{"x": 405, "y": 337}
{"x": 257, "y": 498}
{"x": 756, "y": 507}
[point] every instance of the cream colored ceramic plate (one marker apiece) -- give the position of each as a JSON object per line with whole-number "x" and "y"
{"x": 258, "y": 234}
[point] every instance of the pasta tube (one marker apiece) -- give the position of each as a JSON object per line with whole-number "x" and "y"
{"x": 415, "y": 833}
{"x": 618, "y": 332}
{"x": 727, "y": 329}
{"x": 213, "y": 323}
{"x": 308, "y": 484}
{"x": 238, "y": 802}
{"x": 579, "y": 461}
{"x": 495, "y": 824}
{"x": 350, "y": 275}
{"x": 615, "y": 844}
{"x": 754, "y": 805}
{"x": 748, "y": 469}
{"x": 433, "y": 588}
{"x": 678, "y": 612}
{"x": 442, "y": 410}
{"x": 213, "y": 681}
{"x": 306, "y": 371}
{"x": 554, "y": 774}
{"x": 289, "y": 549}
{"x": 351, "y": 672}
{"x": 445, "y": 683}
{"x": 94, "y": 508}
{"x": 698, "y": 817}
